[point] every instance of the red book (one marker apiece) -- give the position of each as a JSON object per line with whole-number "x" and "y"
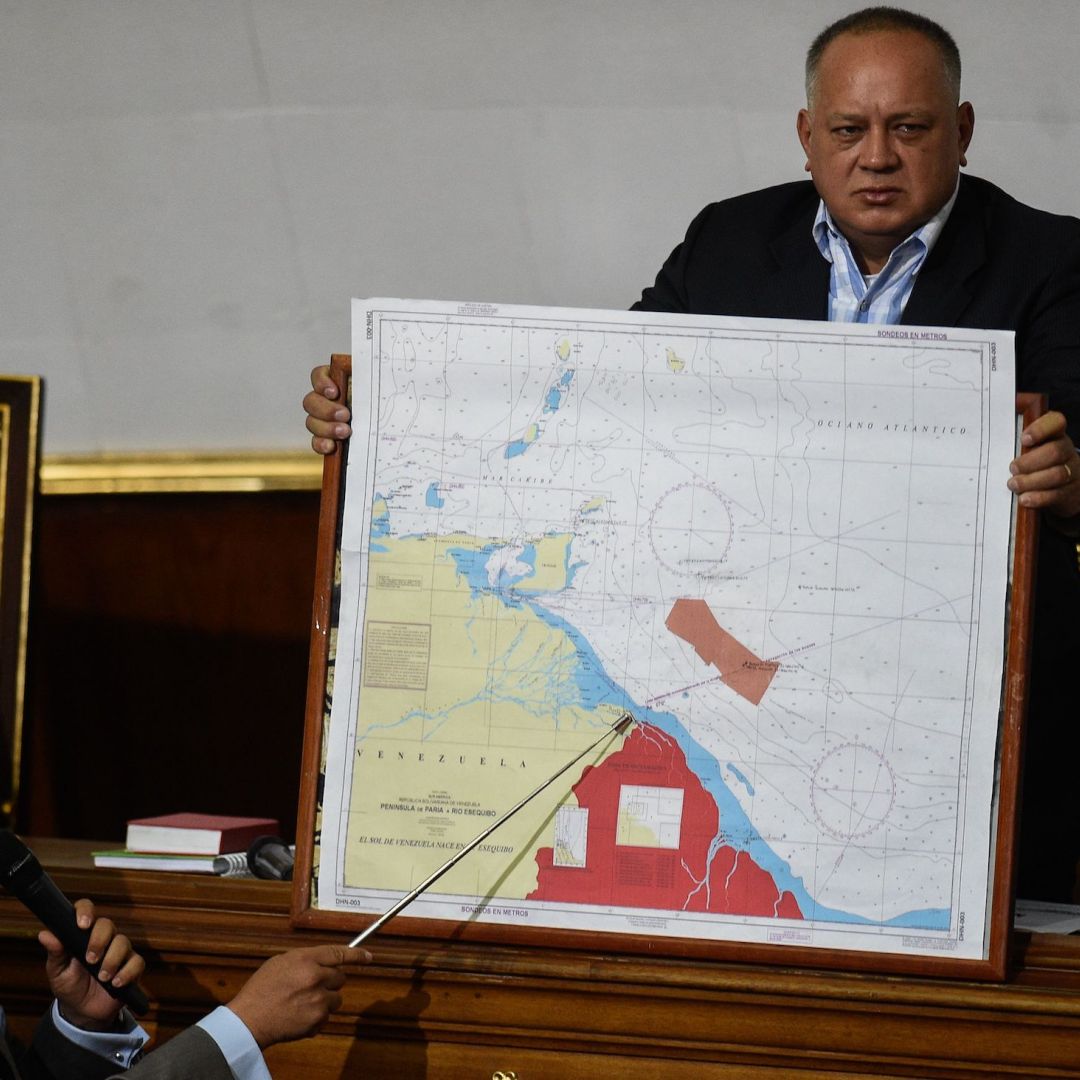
{"x": 197, "y": 834}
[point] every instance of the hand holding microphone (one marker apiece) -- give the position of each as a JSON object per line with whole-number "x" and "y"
{"x": 72, "y": 933}
{"x": 288, "y": 997}
{"x": 86, "y": 1001}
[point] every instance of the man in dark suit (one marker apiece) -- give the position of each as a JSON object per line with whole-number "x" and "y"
{"x": 87, "y": 1036}
{"x": 885, "y": 135}
{"x": 889, "y": 232}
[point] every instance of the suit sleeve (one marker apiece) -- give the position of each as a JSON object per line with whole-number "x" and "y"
{"x": 1048, "y": 341}
{"x": 669, "y": 291}
{"x": 191, "y": 1055}
{"x": 53, "y": 1057}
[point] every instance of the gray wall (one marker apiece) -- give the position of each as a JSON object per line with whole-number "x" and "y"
{"x": 193, "y": 189}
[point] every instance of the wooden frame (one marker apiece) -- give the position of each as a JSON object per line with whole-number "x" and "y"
{"x": 305, "y": 912}
{"x": 320, "y": 666}
{"x": 20, "y": 414}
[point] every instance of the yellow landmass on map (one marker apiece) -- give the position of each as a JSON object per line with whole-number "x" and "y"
{"x": 630, "y": 831}
{"x": 674, "y": 361}
{"x": 562, "y": 350}
{"x": 550, "y": 575}
{"x": 437, "y": 764}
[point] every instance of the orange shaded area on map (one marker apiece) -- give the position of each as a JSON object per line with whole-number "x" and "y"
{"x": 680, "y": 879}
{"x": 746, "y": 674}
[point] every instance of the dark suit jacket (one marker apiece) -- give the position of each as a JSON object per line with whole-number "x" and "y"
{"x": 191, "y": 1055}
{"x": 997, "y": 265}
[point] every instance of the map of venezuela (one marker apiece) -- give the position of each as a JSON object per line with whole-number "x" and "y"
{"x": 770, "y": 543}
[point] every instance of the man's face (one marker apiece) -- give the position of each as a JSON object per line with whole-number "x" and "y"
{"x": 883, "y": 137}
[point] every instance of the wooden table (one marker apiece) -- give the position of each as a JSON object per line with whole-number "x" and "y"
{"x": 450, "y": 1011}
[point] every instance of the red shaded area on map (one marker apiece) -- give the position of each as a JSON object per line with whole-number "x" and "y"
{"x": 658, "y": 878}
{"x": 746, "y": 674}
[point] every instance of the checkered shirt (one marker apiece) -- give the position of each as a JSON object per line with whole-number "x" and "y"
{"x": 881, "y": 297}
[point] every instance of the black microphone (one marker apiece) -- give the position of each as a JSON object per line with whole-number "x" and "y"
{"x": 270, "y": 857}
{"x": 22, "y": 876}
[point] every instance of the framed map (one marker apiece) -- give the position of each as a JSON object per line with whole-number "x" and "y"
{"x": 782, "y": 548}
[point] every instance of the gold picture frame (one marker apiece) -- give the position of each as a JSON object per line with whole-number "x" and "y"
{"x": 20, "y": 435}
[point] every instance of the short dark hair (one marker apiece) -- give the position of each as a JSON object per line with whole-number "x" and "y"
{"x": 874, "y": 19}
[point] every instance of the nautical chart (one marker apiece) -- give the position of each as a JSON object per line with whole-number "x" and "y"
{"x": 781, "y": 547}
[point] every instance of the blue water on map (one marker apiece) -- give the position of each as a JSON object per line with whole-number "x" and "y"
{"x": 552, "y": 401}
{"x": 432, "y": 498}
{"x": 926, "y": 919}
{"x": 380, "y": 524}
{"x": 742, "y": 779}
{"x": 596, "y": 687}
{"x": 472, "y": 565}
{"x": 555, "y": 394}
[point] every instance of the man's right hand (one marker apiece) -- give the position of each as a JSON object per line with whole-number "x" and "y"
{"x": 327, "y": 418}
{"x": 291, "y": 994}
{"x": 84, "y": 1001}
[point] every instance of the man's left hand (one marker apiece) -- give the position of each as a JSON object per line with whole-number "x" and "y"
{"x": 1046, "y": 475}
{"x": 84, "y": 1001}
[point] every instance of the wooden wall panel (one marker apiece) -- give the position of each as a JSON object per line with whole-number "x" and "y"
{"x": 168, "y": 658}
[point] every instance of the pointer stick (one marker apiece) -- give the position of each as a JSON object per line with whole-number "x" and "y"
{"x": 382, "y": 920}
